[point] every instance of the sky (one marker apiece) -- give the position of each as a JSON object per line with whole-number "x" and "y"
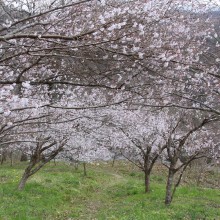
{"x": 214, "y": 4}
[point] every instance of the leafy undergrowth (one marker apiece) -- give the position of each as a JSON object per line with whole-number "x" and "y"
{"x": 61, "y": 192}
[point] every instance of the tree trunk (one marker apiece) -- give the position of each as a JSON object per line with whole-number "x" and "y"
{"x": 23, "y": 157}
{"x": 84, "y": 169}
{"x": 3, "y": 158}
{"x": 11, "y": 157}
{"x": 25, "y": 176}
{"x": 147, "y": 182}
{"x": 200, "y": 172}
{"x": 38, "y": 159}
{"x": 168, "y": 198}
{"x": 113, "y": 162}
{"x": 23, "y": 180}
{"x": 76, "y": 165}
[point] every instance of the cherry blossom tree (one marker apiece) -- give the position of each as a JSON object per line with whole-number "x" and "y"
{"x": 39, "y": 157}
{"x": 135, "y": 135}
{"x": 186, "y": 141}
{"x": 190, "y": 79}
{"x": 175, "y": 136}
{"x": 62, "y": 62}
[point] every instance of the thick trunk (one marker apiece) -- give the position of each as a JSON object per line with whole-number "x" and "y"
{"x": 26, "y": 175}
{"x": 147, "y": 182}
{"x": 23, "y": 180}
{"x": 38, "y": 159}
{"x": 168, "y": 198}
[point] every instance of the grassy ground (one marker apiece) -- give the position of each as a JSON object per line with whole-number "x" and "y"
{"x": 61, "y": 192}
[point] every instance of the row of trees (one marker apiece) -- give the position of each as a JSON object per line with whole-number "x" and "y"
{"x": 88, "y": 77}
{"x": 145, "y": 138}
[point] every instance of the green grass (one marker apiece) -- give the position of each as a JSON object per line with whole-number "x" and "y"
{"x": 61, "y": 192}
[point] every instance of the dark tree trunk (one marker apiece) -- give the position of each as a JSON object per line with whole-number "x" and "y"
{"x": 3, "y": 158}
{"x": 23, "y": 157}
{"x": 169, "y": 186}
{"x": 38, "y": 160}
{"x": 11, "y": 157}
{"x": 23, "y": 180}
{"x": 113, "y": 162}
{"x": 54, "y": 161}
{"x": 147, "y": 182}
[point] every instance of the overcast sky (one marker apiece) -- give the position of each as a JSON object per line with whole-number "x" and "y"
{"x": 213, "y": 3}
